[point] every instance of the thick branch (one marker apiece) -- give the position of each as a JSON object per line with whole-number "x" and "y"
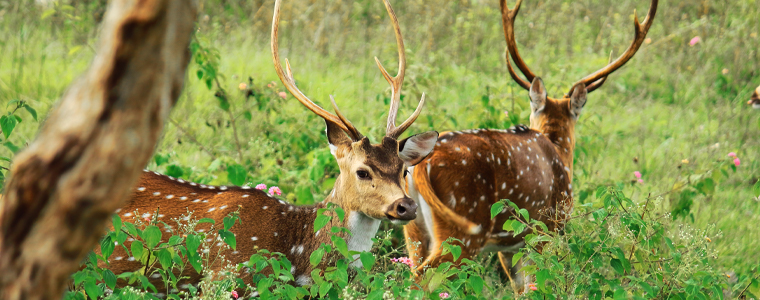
{"x": 65, "y": 186}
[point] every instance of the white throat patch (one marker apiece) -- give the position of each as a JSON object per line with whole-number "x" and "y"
{"x": 363, "y": 229}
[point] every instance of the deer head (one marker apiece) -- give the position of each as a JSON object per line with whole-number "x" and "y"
{"x": 556, "y": 117}
{"x": 371, "y": 176}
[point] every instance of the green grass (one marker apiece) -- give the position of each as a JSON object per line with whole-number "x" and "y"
{"x": 669, "y": 103}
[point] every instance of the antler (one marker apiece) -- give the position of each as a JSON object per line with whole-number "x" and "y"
{"x": 290, "y": 83}
{"x": 396, "y": 82}
{"x": 508, "y": 24}
{"x": 641, "y": 30}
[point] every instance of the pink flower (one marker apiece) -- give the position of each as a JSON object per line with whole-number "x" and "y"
{"x": 443, "y": 295}
{"x": 737, "y": 162}
{"x": 242, "y": 86}
{"x": 506, "y": 113}
{"x": 283, "y": 95}
{"x": 641, "y": 181}
{"x": 275, "y": 191}
{"x": 234, "y": 294}
{"x": 732, "y": 154}
{"x": 261, "y": 186}
{"x": 695, "y": 40}
{"x": 637, "y": 174}
{"x": 404, "y": 260}
{"x": 146, "y": 219}
{"x": 532, "y": 286}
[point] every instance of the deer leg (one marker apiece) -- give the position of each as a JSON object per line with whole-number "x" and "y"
{"x": 416, "y": 243}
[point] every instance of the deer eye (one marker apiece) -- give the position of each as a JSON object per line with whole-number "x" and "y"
{"x": 362, "y": 174}
{"x": 406, "y": 172}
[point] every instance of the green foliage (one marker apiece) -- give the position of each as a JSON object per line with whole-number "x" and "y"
{"x": 615, "y": 247}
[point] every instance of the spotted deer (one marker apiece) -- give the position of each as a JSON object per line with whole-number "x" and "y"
{"x": 470, "y": 170}
{"x": 754, "y": 100}
{"x": 369, "y": 188}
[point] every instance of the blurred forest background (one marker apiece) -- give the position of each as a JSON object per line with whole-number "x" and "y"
{"x": 674, "y": 110}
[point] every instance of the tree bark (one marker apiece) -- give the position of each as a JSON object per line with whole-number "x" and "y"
{"x": 65, "y": 186}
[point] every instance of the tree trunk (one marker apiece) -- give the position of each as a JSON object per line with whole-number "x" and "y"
{"x": 64, "y": 188}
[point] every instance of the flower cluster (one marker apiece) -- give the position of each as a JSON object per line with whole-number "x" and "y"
{"x": 443, "y": 295}
{"x": 274, "y": 190}
{"x": 737, "y": 162}
{"x": 638, "y": 176}
{"x": 404, "y": 260}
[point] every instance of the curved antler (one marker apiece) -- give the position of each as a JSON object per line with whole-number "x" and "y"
{"x": 508, "y": 24}
{"x": 290, "y": 83}
{"x": 396, "y": 82}
{"x": 640, "y": 30}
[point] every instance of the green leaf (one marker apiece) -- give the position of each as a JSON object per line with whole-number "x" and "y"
{"x": 165, "y": 258}
{"x": 320, "y": 222}
{"x": 137, "y": 249}
{"x": 236, "y": 174}
{"x": 206, "y": 220}
{"x": 516, "y": 258}
{"x": 116, "y": 220}
{"x": 107, "y": 246}
{"x": 228, "y": 238}
{"x": 228, "y": 222}
{"x": 7, "y": 124}
{"x": 525, "y": 214}
{"x": 617, "y": 265}
{"x": 247, "y": 115}
{"x": 199, "y": 74}
{"x": 174, "y": 171}
{"x": 340, "y": 212}
{"x": 193, "y": 242}
{"x": 161, "y": 159}
{"x": 93, "y": 291}
{"x": 496, "y": 209}
{"x": 109, "y": 278}
{"x": 476, "y": 282}
{"x": 152, "y": 236}
{"x": 341, "y": 245}
{"x": 31, "y": 111}
{"x": 367, "y": 259}
{"x": 316, "y": 256}
{"x": 11, "y": 147}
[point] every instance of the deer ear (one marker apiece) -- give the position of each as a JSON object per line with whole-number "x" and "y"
{"x": 537, "y": 95}
{"x": 414, "y": 149}
{"x": 578, "y": 99}
{"x": 336, "y": 137}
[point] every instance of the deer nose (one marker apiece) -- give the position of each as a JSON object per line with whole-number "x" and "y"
{"x": 403, "y": 209}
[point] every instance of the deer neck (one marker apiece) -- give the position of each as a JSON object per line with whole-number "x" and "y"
{"x": 562, "y": 135}
{"x": 362, "y": 227}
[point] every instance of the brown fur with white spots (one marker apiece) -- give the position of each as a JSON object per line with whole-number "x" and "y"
{"x": 755, "y": 99}
{"x": 369, "y": 188}
{"x": 470, "y": 170}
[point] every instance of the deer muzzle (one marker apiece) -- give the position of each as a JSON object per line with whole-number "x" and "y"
{"x": 402, "y": 209}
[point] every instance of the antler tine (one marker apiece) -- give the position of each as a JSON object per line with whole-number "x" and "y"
{"x": 640, "y": 30}
{"x": 290, "y": 83}
{"x": 352, "y": 130}
{"x": 520, "y": 81}
{"x": 508, "y": 24}
{"x": 596, "y": 84}
{"x": 391, "y": 130}
{"x": 404, "y": 126}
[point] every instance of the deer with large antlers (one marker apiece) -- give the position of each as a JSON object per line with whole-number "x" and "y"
{"x": 470, "y": 170}
{"x": 369, "y": 188}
